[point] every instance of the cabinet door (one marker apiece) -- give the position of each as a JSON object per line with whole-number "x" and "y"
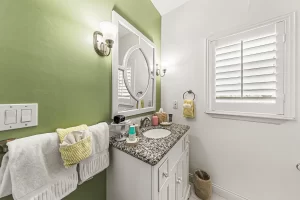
{"x": 179, "y": 179}
{"x": 186, "y": 172}
{"x": 168, "y": 191}
{"x": 182, "y": 178}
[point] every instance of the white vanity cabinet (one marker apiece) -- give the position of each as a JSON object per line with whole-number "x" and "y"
{"x": 129, "y": 178}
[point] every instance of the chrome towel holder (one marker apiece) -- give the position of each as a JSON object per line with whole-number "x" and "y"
{"x": 3, "y": 145}
{"x": 189, "y": 92}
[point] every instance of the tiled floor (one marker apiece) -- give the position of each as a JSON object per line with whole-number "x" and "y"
{"x": 214, "y": 197}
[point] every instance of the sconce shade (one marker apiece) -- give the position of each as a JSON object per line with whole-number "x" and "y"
{"x": 109, "y": 30}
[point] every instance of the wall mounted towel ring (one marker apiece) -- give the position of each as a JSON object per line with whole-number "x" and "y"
{"x": 190, "y": 92}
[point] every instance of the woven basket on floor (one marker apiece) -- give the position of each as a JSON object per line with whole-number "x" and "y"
{"x": 202, "y": 185}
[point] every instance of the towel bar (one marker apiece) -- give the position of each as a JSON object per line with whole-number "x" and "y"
{"x": 190, "y": 92}
{"x": 3, "y": 145}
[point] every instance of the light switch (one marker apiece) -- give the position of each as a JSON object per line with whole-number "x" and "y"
{"x": 26, "y": 115}
{"x": 10, "y": 117}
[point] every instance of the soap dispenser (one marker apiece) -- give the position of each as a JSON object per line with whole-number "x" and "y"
{"x": 132, "y": 134}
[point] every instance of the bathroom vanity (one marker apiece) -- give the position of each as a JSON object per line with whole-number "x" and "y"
{"x": 155, "y": 169}
{"x": 158, "y": 167}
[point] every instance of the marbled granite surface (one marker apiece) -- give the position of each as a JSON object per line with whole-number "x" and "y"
{"x": 150, "y": 150}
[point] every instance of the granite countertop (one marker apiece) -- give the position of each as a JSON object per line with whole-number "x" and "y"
{"x": 149, "y": 150}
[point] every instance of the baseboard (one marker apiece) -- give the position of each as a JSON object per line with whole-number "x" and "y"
{"x": 191, "y": 178}
{"x": 228, "y": 195}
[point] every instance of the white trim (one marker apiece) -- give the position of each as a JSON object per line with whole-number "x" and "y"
{"x": 228, "y": 195}
{"x": 125, "y": 62}
{"x": 188, "y": 193}
{"x": 268, "y": 119}
{"x": 117, "y": 19}
{"x": 289, "y": 74}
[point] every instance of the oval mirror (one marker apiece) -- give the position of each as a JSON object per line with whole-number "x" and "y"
{"x": 137, "y": 72}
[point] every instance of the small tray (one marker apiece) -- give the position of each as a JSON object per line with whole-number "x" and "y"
{"x": 132, "y": 143}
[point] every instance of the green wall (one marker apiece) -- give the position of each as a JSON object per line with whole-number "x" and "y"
{"x": 47, "y": 57}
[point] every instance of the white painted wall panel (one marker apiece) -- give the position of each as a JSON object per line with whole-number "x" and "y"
{"x": 254, "y": 160}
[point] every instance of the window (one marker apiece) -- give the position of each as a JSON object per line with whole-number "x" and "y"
{"x": 250, "y": 72}
{"x": 122, "y": 90}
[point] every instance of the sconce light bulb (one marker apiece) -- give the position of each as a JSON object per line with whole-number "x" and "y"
{"x": 109, "y": 43}
{"x": 104, "y": 40}
{"x": 109, "y": 30}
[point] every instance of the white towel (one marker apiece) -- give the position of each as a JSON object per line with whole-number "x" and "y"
{"x": 33, "y": 170}
{"x": 99, "y": 160}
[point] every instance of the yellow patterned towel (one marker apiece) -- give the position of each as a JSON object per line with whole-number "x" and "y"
{"x": 76, "y": 144}
{"x": 63, "y": 132}
{"x": 189, "y": 109}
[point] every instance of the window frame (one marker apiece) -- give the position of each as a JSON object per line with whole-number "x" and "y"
{"x": 289, "y": 82}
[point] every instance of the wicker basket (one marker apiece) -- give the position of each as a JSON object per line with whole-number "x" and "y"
{"x": 202, "y": 185}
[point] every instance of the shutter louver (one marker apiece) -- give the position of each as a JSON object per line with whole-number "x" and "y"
{"x": 259, "y": 68}
{"x": 246, "y": 71}
{"x": 228, "y": 71}
{"x": 122, "y": 90}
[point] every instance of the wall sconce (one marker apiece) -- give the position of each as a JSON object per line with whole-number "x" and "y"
{"x": 104, "y": 40}
{"x": 159, "y": 73}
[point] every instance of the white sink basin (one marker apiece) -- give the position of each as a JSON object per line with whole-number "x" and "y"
{"x": 157, "y": 133}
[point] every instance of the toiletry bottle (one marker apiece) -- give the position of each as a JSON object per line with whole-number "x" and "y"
{"x": 142, "y": 103}
{"x": 132, "y": 134}
{"x": 170, "y": 118}
{"x": 154, "y": 120}
{"x": 137, "y": 130}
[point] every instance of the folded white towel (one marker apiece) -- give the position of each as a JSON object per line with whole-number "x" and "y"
{"x": 99, "y": 160}
{"x": 33, "y": 170}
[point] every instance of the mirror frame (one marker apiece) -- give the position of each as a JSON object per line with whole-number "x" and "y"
{"x": 125, "y": 62}
{"x": 119, "y": 20}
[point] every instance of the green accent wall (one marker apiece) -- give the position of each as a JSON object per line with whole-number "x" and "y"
{"x": 47, "y": 57}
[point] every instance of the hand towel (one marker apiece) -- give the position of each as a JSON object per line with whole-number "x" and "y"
{"x": 33, "y": 170}
{"x": 189, "y": 109}
{"x": 99, "y": 160}
{"x": 79, "y": 150}
{"x": 76, "y": 147}
{"x": 63, "y": 132}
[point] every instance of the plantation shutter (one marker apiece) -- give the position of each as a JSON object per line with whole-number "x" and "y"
{"x": 248, "y": 69}
{"x": 122, "y": 89}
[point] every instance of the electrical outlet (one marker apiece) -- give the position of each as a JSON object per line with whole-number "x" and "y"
{"x": 175, "y": 104}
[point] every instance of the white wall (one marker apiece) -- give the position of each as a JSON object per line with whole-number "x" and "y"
{"x": 254, "y": 160}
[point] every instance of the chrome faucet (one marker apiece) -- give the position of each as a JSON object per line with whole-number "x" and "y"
{"x": 145, "y": 122}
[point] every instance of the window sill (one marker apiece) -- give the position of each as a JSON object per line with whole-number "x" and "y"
{"x": 251, "y": 117}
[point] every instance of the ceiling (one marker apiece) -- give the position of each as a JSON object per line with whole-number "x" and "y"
{"x": 165, "y": 6}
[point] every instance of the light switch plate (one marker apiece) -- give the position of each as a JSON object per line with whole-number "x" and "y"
{"x": 28, "y": 120}
{"x": 175, "y": 104}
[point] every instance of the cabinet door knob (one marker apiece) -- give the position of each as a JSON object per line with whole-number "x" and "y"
{"x": 179, "y": 180}
{"x": 166, "y": 174}
{"x": 298, "y": 166}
